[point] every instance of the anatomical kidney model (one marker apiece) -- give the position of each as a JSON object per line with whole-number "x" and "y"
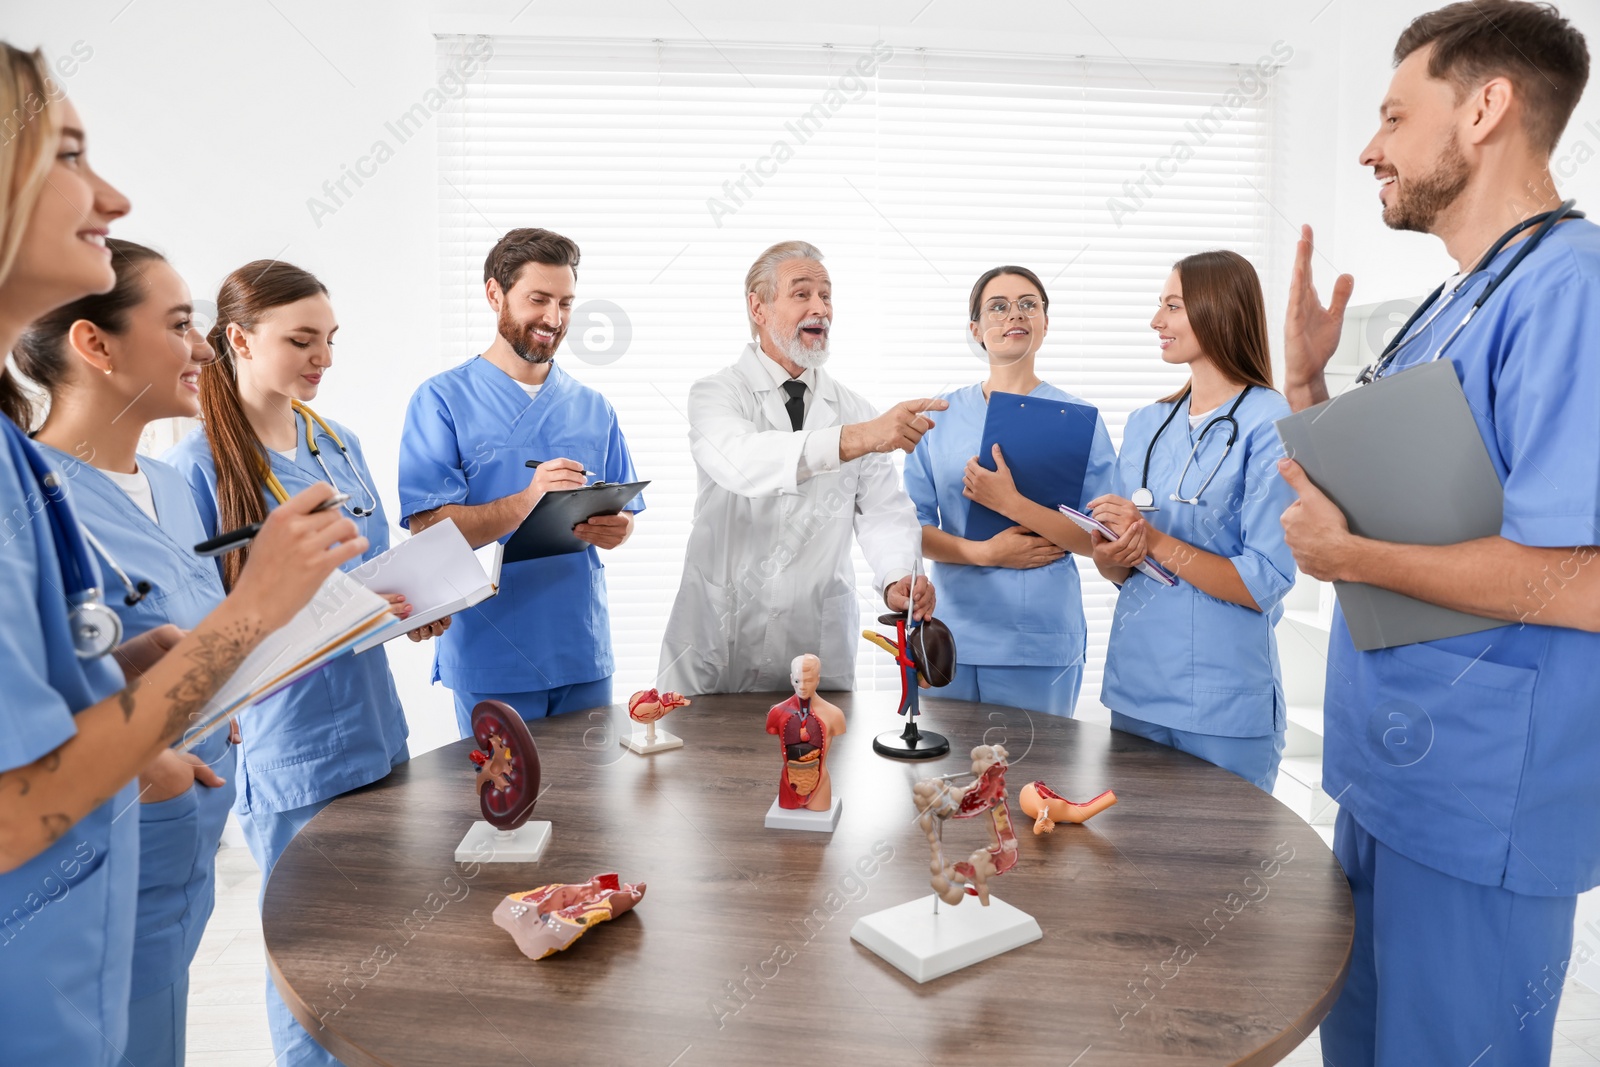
{"x": 508, "y": 765}
{"x": 938, "y": 801}
{"x": 1046, "y": 807}
{"x": 805, "y": 725}
{"x": 548, "y": 919}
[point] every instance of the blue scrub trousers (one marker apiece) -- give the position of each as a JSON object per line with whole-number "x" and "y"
{"x": 1052, "y": 690}
{"x": 1443, "y": 970}
{"x": 1255, "y": 759}
{"x": 268, "y": 833}
{"x": 539, "y": 703}
{"x": 157, "y": 1027}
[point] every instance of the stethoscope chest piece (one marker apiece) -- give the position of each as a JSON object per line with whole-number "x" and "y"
{"x": 96, "y": 629}
{"x": 1144, "y": 499}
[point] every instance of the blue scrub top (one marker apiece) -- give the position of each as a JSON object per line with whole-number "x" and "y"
{"x": 1000, "y": 616}
{"x": 177, "y": 837}
{"x": 1178, "y": 657}
{"x": 343, "y": 726}
{"x": 467, "y": 436}
{"x": 66, "y": 916}
{"x": 1476, "y": 754}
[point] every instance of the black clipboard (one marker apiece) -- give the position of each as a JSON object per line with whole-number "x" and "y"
{"x": 547, "y": 531}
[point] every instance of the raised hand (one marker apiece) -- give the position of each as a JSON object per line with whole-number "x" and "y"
{"x": 1310, "y": 331}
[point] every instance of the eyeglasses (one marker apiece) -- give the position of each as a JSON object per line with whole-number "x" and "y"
{"x": 999, "y": 309}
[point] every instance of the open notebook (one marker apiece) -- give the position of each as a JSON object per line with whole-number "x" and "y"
{"x": 342, "y": 613}
{"x": 439, "y": 574}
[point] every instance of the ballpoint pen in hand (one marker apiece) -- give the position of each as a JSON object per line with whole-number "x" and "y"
{"x": 224, "y": 543}
{"x": 536, "y": 462}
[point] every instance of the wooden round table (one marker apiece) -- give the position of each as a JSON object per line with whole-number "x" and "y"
{"x": 1196, "y": 922}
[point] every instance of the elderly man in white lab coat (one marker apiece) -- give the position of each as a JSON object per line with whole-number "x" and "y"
{"x": 791, "y": 463}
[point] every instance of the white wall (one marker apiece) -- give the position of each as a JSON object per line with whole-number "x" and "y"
{"x": 222, "y": 120}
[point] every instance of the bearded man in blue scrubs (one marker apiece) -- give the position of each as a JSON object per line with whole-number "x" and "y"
{"x": 543, "y": 644}
{"x": 1464, "y": 768}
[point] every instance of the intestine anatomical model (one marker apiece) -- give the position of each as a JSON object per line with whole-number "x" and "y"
{"x": 938, "y": 801}
{"x": 1046, "y": 807}
{"x": 548, "y": 919}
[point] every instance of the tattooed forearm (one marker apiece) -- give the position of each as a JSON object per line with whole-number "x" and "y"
{"x": 54, "y": 826}
{"x": 214, "y": 660}
{"x": 125, "y": 700}
{"x": 51, "y": 761}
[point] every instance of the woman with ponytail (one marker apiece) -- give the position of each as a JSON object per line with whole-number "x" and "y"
{"x": 1196, "y": 486}
{"x": 81, "y": 716}
{"x": 112, "y": 363}
{"x": 343, "y": 727}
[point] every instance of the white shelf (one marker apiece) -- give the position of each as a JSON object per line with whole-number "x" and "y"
{"x": 1306, "y": 717}
{"x": 1299, "y": 788}
{"x": 1308, "y": 618}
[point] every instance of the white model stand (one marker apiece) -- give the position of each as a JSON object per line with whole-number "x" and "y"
{"x": 927, "y": 939}
{"x": 823, "y": 822}
{"x": 485, "y": 844}
{"x": 649, "y": 741}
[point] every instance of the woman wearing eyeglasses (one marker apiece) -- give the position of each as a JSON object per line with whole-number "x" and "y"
{"x": 1195, "y": 665}
{"x": 343, "y": 727}
{"x": 1013, "y": 601}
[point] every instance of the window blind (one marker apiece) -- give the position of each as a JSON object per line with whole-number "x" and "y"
{"x": 674, "y": 163}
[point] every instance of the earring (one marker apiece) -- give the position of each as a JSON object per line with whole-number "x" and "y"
{"x": 108, "y": 368}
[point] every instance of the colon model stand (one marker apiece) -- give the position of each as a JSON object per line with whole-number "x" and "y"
{"x": 910, "y": 743}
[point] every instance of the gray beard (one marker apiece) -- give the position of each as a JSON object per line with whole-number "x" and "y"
{"x": 801, "y": 355}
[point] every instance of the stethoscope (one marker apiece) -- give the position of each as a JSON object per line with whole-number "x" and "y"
{"x": 1545, "y": 222}
{"x": 96, "y": 629}
{"x": 1143, "y": 498}
{"x": 314, "y": 422}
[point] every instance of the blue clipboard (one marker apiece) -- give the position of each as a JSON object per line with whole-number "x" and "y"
{"x": 1046, "y": 444}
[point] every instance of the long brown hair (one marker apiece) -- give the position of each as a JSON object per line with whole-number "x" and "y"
{"x": 42, "y": 351}
{"x": 246, "y": 295}
{"x": 1222, "y": 295}
{"x": 28, "y": 96}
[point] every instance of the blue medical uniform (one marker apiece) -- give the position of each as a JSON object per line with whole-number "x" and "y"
{"x": 66, "y": 916}
{"x": 1020, "y": 634}
{"x": 1183, "y": 667}
{"x": 468, "y": 434}
{"x": 341, "y": 728}
{"x": 178, "y": 837}
{"x": 1465, "y": 767}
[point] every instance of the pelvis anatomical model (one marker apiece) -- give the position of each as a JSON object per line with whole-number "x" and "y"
{"x": 939, "y": 801}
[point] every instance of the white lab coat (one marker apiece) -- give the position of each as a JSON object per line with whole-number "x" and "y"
{"x": 767, "y": 574}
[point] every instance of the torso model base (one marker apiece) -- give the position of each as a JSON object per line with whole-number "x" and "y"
{"x": 925, "y": 943}
{"x": 485, "y": 844}
{"x": 824, "y": 822}
{"x": 911, "y": 743}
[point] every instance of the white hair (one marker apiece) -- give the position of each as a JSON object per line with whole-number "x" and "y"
{"x": 762, "y": 277}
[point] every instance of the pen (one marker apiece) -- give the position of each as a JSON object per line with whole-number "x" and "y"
{"x": 224, "y": 543}
{"x": 536, "y": 462}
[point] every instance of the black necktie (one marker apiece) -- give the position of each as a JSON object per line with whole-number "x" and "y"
{"x": 796, "y": 407}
